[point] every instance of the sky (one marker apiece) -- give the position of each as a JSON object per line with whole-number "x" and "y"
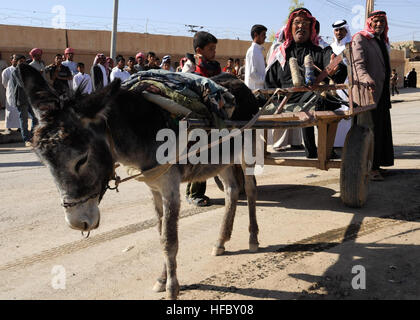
{"x": 225, "y": 19}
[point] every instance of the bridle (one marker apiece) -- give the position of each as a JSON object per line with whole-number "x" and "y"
{"x": 68, "y": 205}
{"x": 106, "y": 184}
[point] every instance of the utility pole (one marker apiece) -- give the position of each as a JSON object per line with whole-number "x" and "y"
{"x": 370, "y": 7}
{"x": 114, "y": 31}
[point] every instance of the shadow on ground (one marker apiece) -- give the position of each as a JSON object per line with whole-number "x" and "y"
{"x": 391, "y": 269}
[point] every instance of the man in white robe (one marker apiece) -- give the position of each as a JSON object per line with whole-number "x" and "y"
{"x": 82, "y": 79}
{"x": 119, "y": 72}
{"x": 254, "y": 61}
{"x": 12, "y": 114}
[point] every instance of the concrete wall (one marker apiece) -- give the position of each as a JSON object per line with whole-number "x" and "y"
{"x": 87, "y": 43}
{"x": 398, "y": 62}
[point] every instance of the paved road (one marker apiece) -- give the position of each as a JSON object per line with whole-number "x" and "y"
{"x": 309, "y": 241}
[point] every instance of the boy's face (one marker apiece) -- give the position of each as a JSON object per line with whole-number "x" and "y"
{"x": 14, "y": 61}
{"x": 58, "y": 60}
{"x": 121, "y": 64}
{"x": 151, "y": 59}
{"x": 81, "y": 69}
{"x": 208, "y": 52}
{"x": 260, "y": 39}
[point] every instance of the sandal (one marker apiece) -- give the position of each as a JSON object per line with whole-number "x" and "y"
{"x": 376, "y": 176}
{"x": 280, "y": 149}
{"x": 383, "y": 171}
{"x": 199, "y": 202}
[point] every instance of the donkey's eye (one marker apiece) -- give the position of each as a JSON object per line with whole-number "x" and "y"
{"x": 81, "y": 162}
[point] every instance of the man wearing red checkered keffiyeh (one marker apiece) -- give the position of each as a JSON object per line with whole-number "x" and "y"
{"x": 371, "y": 65}
{"x": 300, "y": 40}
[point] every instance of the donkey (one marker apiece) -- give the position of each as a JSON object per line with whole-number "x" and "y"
{"x": 81, "y": 138}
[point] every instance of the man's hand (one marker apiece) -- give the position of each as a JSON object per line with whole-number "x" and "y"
{"x": 332, "y": 71}
{"x": 371, "y": 85}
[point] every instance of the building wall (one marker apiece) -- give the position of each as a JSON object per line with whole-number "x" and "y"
{"x": 399, "y": 62}
{"x": 87, "y": 43}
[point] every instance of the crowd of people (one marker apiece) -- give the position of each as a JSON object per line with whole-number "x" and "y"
{"x": 297, "y": 40}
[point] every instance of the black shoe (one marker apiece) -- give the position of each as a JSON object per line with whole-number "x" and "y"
{"x": 312, "y": 156}
{"x": 334, "y": 156}
{"x": 297, "y": 147}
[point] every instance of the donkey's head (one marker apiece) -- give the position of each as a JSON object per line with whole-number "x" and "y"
{"x": 71, "y": 141}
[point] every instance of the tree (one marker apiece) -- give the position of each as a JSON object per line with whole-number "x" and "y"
{"x": 272, "y": 36}
{"x": 294, "y": 4}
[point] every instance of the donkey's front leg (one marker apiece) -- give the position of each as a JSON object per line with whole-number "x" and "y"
{"x": 169, "y": 235}
{"x": 231, "y": 199}
{"x": 160, "y": 285}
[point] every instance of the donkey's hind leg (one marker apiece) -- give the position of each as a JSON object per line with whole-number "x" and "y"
{"x": 160, "y": 285}
{"x": 251, "y": 194}
{"x": 231, "y": 198}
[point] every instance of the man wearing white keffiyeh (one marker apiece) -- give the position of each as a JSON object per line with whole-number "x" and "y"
{"x": 342, "y": 36}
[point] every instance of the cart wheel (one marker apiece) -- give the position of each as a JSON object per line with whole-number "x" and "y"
{"x": 239, "y": 178}
{"x": 356, "y": 164}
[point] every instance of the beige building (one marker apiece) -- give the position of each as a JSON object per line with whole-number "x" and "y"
{"x": 411, "y": 48}
{"x": 87, "y": 43}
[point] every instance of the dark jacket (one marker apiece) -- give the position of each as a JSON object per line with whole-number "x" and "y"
{"x": 97, "y": 77}
{"x": 276, "y": 77}
{"x": 19, "y": 96}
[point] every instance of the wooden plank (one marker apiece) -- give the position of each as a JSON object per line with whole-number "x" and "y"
{"x": 331, "y": 133}
{"x": 320, "y": 88}
{"x": 322, "y": 144}
{"x": 305, "y": 163}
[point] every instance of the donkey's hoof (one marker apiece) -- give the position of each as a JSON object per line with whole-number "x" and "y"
{"x": 253, "y": 247}
{"x": 172, "y": 291}
{"x": 218, "y": 251}
{"x": 159, "y": 287}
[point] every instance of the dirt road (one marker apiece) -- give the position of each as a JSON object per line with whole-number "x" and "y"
{"x": 309, "y": 241}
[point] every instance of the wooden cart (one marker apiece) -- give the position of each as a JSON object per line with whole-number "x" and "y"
{"x": 357, "y": 155}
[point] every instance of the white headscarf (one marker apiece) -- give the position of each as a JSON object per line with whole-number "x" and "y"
{"x": 339, "y": 46}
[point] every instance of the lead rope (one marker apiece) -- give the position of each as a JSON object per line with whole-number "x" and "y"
{"x": 160, "y": 170}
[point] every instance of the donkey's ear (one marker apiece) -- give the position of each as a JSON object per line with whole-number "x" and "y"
{"x": 94, "y": 108}
{"x": 41, "y": 96}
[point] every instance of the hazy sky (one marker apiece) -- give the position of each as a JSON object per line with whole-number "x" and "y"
{"x": 225, "y": 19}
